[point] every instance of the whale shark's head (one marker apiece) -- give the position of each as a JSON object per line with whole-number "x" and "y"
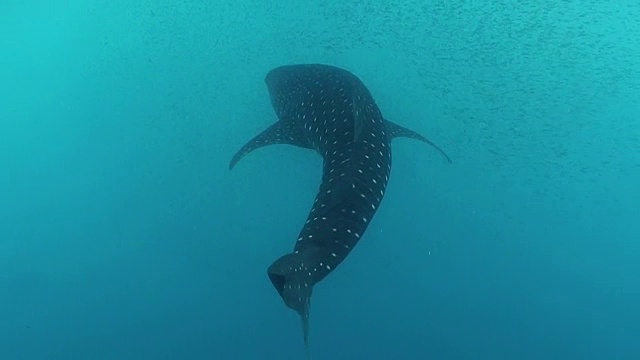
{"x": 290, "y": 86}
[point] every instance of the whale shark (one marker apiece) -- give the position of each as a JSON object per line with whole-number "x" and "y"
{"x": 328, "y": 110}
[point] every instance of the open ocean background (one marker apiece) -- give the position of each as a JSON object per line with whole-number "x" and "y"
{"x": 124, "y": 236}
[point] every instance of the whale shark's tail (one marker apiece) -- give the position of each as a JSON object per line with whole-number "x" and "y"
{"x": 294, "y": 283}
{"x": 305, "y": 334}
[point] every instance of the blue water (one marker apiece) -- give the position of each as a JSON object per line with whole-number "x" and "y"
{"x": 124, "y": 236}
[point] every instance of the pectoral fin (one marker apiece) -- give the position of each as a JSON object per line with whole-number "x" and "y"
{"x": 278, "y": 133}
{"x": 394, "y": 131}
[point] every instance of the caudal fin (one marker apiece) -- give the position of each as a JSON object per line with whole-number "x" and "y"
{"x": 305, "y": 334}
{"x": 295, "y": 287}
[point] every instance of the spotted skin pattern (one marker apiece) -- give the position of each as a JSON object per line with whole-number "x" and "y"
{"x": 329, "y": 110}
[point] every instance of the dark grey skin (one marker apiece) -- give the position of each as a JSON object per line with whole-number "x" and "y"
{"x": 329, "y": 110}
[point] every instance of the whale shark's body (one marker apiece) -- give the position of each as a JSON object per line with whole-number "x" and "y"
{"x": 329, "y": 110}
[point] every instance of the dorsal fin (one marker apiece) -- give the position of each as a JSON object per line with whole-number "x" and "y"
{"x": 278, "y": 133}
{"x": 394, "y": 130}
